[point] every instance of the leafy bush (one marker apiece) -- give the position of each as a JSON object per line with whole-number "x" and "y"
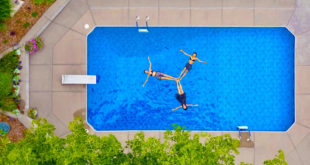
{"x": 9, "y": 62}
{"x": 39, "y": 2}
{"x": 5, "y": 10}
{"x": 8, "y": 104}
{"x": 6, "y": 82}
{"x": 32, "y": 113}
{"x": 34, "y": 45}
{"x": 278, "y": 160}
{"x": 26, "y": 25}
{"x": 34, "y": 14}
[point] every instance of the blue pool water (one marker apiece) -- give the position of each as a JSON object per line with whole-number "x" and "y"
{"x": 249, "y": 79}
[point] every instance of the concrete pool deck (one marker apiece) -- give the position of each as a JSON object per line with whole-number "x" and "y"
{"x": 65, "y": 53}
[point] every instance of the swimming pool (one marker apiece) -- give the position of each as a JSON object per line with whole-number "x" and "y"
{"x": 249, "y": 79}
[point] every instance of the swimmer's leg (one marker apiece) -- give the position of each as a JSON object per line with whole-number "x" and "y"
{"x": 167, "y": 78}
{"x": 184, "y": 74}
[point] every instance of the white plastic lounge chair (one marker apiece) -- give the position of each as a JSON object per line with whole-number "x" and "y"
{"x": 78, "y": 79}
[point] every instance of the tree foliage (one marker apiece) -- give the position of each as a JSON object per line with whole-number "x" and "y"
{"x": 278, "y": 160}
{"x": 41, "y": 146}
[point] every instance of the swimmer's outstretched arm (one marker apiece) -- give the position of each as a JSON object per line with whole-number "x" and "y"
{"x": 196, "y": 105}
{"x": 202, "y": 61}
{"x": 185, "y": 53}
{"x": 148, "y": 75}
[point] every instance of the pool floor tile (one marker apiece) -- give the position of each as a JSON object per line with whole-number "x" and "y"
{"x": 302, "y": 49}
{"x": 174, "y": 3}
{"x": 302, "y": 104}
{"x": 275, "y": 3}
{"x": 238, "y": 3}
{"x": 42, "y": 101}
{"x": 44, "y": 56}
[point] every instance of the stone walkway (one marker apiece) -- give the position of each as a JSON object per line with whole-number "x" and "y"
{"x": 65, "y": 53}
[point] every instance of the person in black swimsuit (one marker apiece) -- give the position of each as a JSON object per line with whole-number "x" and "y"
{"x": 158, "y": 75}
{"x": 181, "y": 97}
{"x": 189, "y": 64}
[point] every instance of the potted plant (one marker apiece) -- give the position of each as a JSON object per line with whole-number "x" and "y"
{"x": 32, "y": 113}
{"x": 34, "y": 45}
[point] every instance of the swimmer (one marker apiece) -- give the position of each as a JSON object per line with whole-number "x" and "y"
{"x": 181, "y": 97}
{"x": 189, "y": 64}
{"x": 158, "y": 75}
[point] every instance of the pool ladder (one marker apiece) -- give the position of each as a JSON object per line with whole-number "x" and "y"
{"x": 143, "y": 30}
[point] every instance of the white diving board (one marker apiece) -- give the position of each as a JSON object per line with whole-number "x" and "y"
{"x": 79, "y": 79}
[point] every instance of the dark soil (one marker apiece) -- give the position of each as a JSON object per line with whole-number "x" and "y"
{"x": 20, "y": 23}
{"x": 17, "y": 129}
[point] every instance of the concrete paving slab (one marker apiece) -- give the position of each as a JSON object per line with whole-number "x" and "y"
{"x": 61, "y": 128}
{"x": 143, "y": 12}
{"x": 297, "y": 132}
{"x": 267, "y": 145}
{"x": 232, "y": 17}
{"x": 302, "y": 75}
{"x": 66, "y": 103}
{"x": 206, "y": 3}
{"x": 293, "y": 158}
{"x": 42, "y": 101}
{"x": 174, "y": 3}
{"x": 303, "y": 150}
{"x": 302, "y": 104}
{"x": 85, "y": 19}
{"x": 272, "y": 17}
{"x": 71, "y": 49}
{"x": 143, "y": 3}
{"x": 44, "y": 56}
{"x": 107, "y": 3}
{"x": 54, "y": 10}
{"x": 72, "y": 13}
{"x": 302, "y": 49}
{"x": 238, "y": 3}
{"x": 275, "y": 3}
{"x": 299, "y": 22}
{"x": 59, "y": 70}
{"x": 206, "y": 16}
{"x": 52, "y": 34}
{"x": 174, "y": 17}
{"x": 246, "y": 155}
{"x": 40, "y": 78}
{"x": 111, "y": 16}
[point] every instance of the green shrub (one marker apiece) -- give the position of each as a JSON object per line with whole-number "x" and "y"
{"x": 26, "y": 25}
{"x": 5, "y": 10}
{"x": 39, "y": 2}
{"x": 34, "y": 14}
{"x": 9, "y": 62}
{"x": 8, "y": 104}
{"x": 5, "y": 41}
{"x": 6, "y": 81}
